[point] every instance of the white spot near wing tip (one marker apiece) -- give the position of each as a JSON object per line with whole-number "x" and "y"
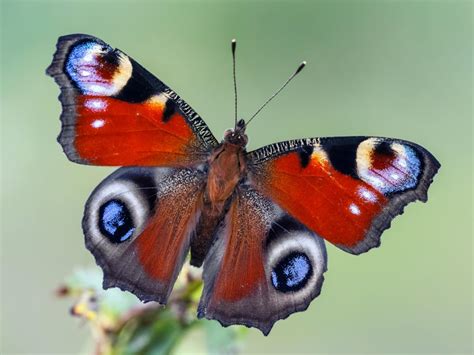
{"x": 97, "y": 88}
{"x": 354, "y": 209}
{"x": 98, "y": 123}
{"x": 367, "y": 195}
{"x": 88, "y": 57}
{"x": 85, "y": 73}
{"x": 395, "y": 176}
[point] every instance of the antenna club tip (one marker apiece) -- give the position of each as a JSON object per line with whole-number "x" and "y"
{"x": 234, "y": 40}
{"x": 233, "y": 44}
{"x": 302, "y": 65}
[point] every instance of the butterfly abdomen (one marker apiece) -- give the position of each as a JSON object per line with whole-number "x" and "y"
{"x": 205, "y": 232}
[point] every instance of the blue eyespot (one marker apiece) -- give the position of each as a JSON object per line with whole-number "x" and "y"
{"x": 115, "y": 221}
{"x": 87, "y": 64}
{"x": 292, "y": 272}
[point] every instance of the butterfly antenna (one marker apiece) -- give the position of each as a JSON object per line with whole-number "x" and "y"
{"x": 300, "y": 67}
{"x": 234, "y": 46}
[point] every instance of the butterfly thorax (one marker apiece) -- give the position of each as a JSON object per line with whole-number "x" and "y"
{"x": 226, "y": 168}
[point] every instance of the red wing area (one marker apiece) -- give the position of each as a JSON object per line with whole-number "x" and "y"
{"x": 243, "y": 268}
{"x": 263, "y": 266}
{"x": 328, "y": 202}
{"x": 138, "y": 223}
{"x": 164, "y": 243}
{"x": 347, "y": 190}
{"x": 117, "y": 113}
{"x": 109, "y": 131}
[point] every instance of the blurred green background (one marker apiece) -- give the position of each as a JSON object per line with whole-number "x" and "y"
{"x": 389, "y": 68}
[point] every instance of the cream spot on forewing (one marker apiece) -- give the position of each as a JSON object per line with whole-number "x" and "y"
{"x": 319, "y": 155}
{"x": 158, "y": 100}
{"x": 398, "y": 148}
{"x": 123, "y": 72}
{"x": 364, "y": 154}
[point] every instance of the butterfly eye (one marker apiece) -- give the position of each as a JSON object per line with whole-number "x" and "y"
{"x": 292, "y": 273}
{"x": 115, "y": 221}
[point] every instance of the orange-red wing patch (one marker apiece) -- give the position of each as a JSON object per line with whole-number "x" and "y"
{"x": 113, "y": 132}
{"x": 345, "y": 189}
{"x": 242, "y": 267}
{"x": 165, "y": 241}
{"x": 335, "y": 206}
{"x": 138, "y": 223}
{"x": 116, "y": 113}
{"x": 263, "y": 266}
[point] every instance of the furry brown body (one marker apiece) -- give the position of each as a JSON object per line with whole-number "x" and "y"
{"x": 226, "y": 168}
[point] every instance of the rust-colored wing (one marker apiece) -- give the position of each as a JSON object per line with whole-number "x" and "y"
{"x": 116, "y": 113}
{"x": 138, "y": 223}
{"x": 263, "y": 266}
{"x": 348, "y": 189}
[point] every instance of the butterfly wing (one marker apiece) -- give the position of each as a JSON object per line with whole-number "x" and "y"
{"x": 116, "y": 113}
{"x": 263, "y": 266}
{"x": 347, "y": 189}
{"x": 138, "y": 223}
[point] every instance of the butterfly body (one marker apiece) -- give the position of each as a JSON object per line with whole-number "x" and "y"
{"x": 226, "y": 168}
{"x": 256, "y": 221}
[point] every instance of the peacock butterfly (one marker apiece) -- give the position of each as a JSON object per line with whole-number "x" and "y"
{"x": 255, "y": 220}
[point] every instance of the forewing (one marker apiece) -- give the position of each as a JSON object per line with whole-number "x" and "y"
{"x": 263, "y": 266}
{"x": 116, "y": 113}
{"x": 347, "y": 189}
{"x": 138, "y": 223}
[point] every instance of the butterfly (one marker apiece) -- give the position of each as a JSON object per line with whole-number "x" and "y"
{"x": 256, "y": 221}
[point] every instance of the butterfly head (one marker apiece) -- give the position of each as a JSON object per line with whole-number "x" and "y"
{"x": 237, "y": 135}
